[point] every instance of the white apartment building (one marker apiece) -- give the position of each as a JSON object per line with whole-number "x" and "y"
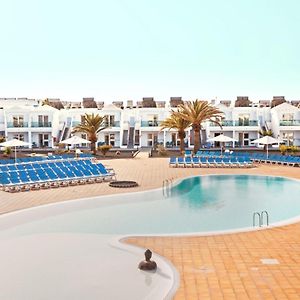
{"x": 131, "y": 126}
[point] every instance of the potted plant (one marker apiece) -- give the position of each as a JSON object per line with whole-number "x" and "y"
{"x": 7, "y": 151}
{"x": 104, "y": 149}
{"x": 283, "y": 149}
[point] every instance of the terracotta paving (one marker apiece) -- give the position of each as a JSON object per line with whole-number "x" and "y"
{"x": 211, "y": 267}
{"x": 229, "y": 266}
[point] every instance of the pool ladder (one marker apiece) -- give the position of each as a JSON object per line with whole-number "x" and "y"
{"x": 166, "y": 187}
{"x": 260, "y": 218}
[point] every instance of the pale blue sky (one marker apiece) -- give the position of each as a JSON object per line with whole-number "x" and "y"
{"x": 119, "y": 50}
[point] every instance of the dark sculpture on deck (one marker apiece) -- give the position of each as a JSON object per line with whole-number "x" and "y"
{"x": 147, "y": 264}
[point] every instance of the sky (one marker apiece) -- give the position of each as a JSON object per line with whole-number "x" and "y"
{"x": 128, "y": 49}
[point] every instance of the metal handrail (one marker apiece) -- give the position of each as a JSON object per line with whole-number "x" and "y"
{"x": 166, "y": 187}
{"x": 260, "y": 218}
{"x": 254, "y": 215}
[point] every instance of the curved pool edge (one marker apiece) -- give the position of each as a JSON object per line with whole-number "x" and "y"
{"x": 176, "y": 182}
{"x": 162, "y": 262}
{"x": 116, "y": 265}
{"x": 120, "y": 240}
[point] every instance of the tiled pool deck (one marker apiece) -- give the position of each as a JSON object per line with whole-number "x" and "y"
{"x": 211, "y": 267}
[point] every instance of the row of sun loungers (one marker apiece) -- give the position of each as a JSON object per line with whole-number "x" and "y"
{"x": 42, "y": 175}
{"x": 287, "y": 160}
{"x": 210, "y": 162}
{"x": 43, "y": 158}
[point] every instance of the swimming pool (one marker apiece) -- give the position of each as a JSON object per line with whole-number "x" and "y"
{"x": 195, "y": 204}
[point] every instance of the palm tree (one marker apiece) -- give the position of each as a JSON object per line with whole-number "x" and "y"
{"x": 266, "y": 132}
{"x": 197, "y": 112}
{"x": 46, "y": 102}
{"x": 174, "y": 121}
{"x": 91, "y": 125}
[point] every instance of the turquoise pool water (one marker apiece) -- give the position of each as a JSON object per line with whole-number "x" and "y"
{"x": 197, "y": 204}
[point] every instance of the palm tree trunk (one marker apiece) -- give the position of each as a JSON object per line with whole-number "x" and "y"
{"x": 93, "y": 147}
{"x": 196, "y": 140}
{"x": 181, "y": 135}
{"x": 197, "y": 137}
{"x": 181, "y": 145}
{"x": 200, "y": 137}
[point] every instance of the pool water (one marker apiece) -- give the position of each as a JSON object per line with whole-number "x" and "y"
{"x": 196, "y": 204}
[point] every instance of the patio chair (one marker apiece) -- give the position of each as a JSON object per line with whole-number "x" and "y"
{"x": 195, "y": 161}
{"x": 188, "y": 161}
{"x": 173, "y": 161}
{"x": 180, "y": 162}
{"x": 203, "y": 162}
{"x": 211, "y": 162}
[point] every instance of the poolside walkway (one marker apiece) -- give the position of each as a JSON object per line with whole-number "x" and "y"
{"x": 214, "y": 267}
{"x": 230, "y": 266}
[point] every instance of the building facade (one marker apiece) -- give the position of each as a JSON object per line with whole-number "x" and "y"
{"x": 45, "y": 124}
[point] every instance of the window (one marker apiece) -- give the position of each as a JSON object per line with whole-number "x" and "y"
{"x": 244, "y": 120}
{"x": 44, "y": 140}
{"x": 152, "y": 139}
{"x": 110, "y": 139}
{"x": 19, "y": 137}
{"x": 246, "y": 139}
{"x": 43, "y": 121}
{"x": 288, "y": 138}
{"x": 175, "y": 139}
{"x": 18, "y": 121}
{"x": 109, "y": 120}
{"x": 84, "y": 136}
{"x": 153, "y": 120}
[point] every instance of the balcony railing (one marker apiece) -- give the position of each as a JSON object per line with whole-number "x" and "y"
{"x": 289, "y": 123}
{"x": 113, "y": 124}
{"x": 41, "y": 124}
{"x": 75, "y": 123}
{"x": 246, "y": 123}
{"x": 150, "y": 123}
{"x": 223, "y": 123}
{"x": 17, "y": 125}
{"x": 237, "y": 123}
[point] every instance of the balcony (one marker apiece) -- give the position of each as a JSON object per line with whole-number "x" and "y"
{"x": 17, "y": 125}
{"x": 150, "y": 123}
{"x": 113, "y": 124}
{"x": 246, "y": 123}
{"x": 289, "y": 123}
{"x": 75, "y": 123}
{"x": 237, "y": 123}
{"x": 41, "y": 124}
{"x": 223, "y": 123}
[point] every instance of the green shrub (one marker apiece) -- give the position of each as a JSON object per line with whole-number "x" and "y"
{"x": 293, "y": 149}
{"x": 104, "y": 149}
{"x": 7, "y": 151}
{"x": 283, "y": 149}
